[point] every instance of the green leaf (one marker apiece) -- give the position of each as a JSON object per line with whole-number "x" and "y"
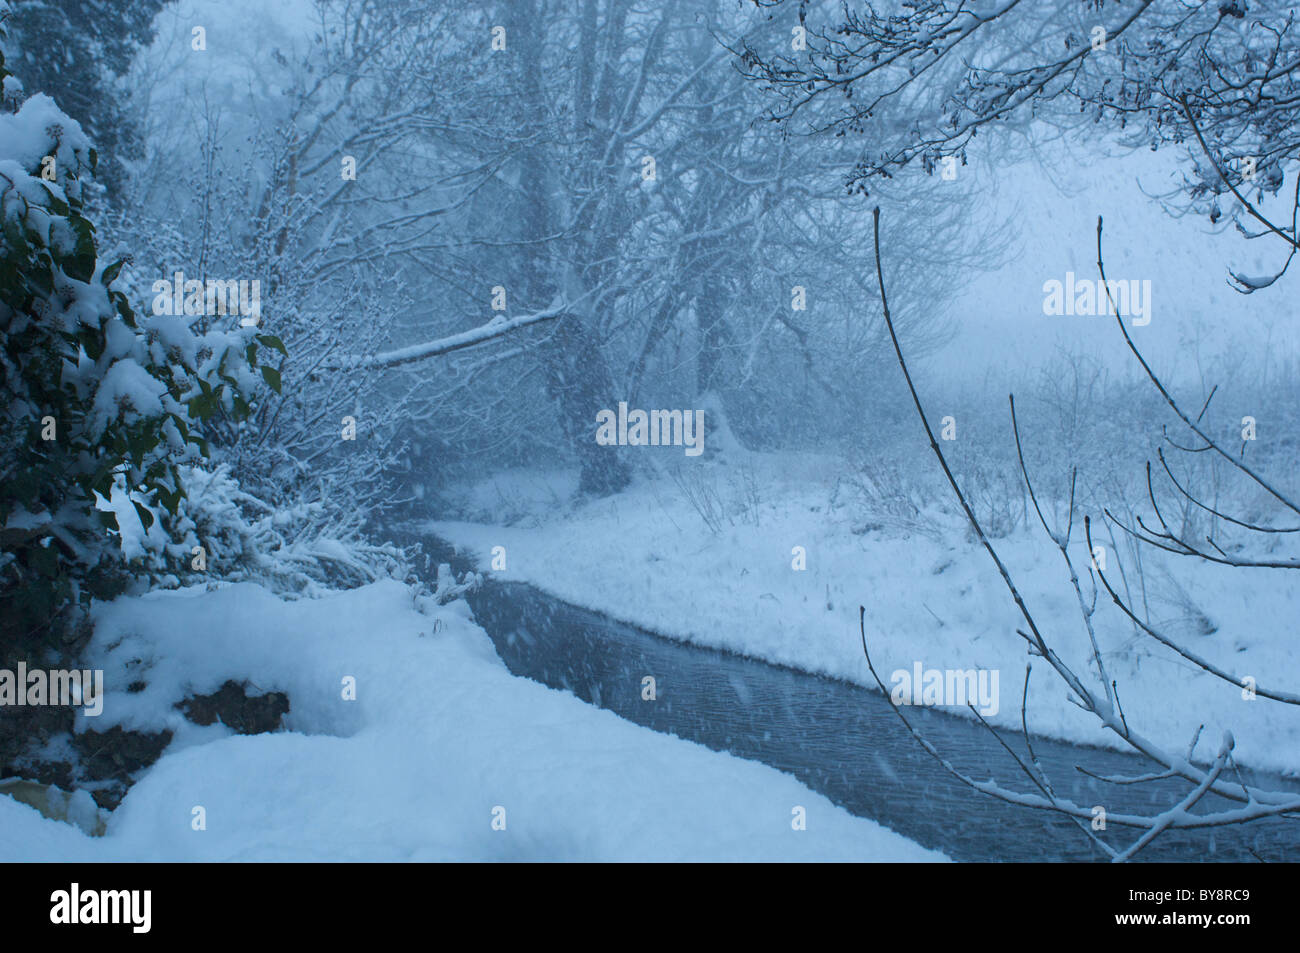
{"x": 201, "y": 406}
{"x": 44, "y": 559}
{"x": 92, "y": 343}
{"x": 109, "y": 274}
{"x": 57, "y": 205}
{"x": 146, "y": 518}
{"x": 80, "y": 265}
{"x": 103, "y": 484}
{"x": 171, "y": 501}
{"x": 123, "y": 308}
{"x": 272, "y": 377}
{"x": 271, "y": 341}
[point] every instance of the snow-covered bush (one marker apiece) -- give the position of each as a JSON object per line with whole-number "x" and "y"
{"x": 92, "y": 397}
{"x": 254, "y": 190}
{"x": 222, "y": 532}
{"x": 306, "y": 470}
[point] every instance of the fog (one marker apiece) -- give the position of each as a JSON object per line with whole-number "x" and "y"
{"x": 410, "y": 369}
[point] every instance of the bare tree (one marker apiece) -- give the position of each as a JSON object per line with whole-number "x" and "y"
{"x": 1220, "y": 78}
{"x": 1096, "y": 692}
{"x": 648, "y": 233}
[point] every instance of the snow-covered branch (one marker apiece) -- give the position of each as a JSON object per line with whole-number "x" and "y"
{"x": 497, "y": 327}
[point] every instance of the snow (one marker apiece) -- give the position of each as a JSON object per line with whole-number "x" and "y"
{"x": 440, "y": 735}
{"x": 1001, "y": 333}
{"x": 126, "y": 385}
{"x": 497, "y": 327}
{"x": 38, "y": 124}
{"x": 932, "y": 596}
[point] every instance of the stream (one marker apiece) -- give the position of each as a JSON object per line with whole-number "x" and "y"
{"x": 845, "y": 742}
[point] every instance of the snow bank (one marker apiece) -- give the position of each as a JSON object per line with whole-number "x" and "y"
{"x": 646, "y": 557}
{"x": 438, "y": 737}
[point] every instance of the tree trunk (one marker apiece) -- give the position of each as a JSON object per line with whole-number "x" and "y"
{"x": 577, "y": 375}
{"x": 579, "y": 382}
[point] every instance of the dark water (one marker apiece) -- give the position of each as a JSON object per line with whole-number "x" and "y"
{"x": 846, "y": 742}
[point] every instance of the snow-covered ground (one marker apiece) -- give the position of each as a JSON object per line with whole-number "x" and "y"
{"x": 932, "y": 596}
{"x": 439, "y": 742}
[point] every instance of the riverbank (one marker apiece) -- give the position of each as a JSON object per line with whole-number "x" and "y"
{"x": 648, "y": 557}
{"x": 406, "y": 739}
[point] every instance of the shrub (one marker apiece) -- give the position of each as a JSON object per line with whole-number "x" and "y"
{"x": 93, "y": 399}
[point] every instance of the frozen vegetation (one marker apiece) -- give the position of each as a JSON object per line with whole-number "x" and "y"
{"x": 700, "y": 315}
